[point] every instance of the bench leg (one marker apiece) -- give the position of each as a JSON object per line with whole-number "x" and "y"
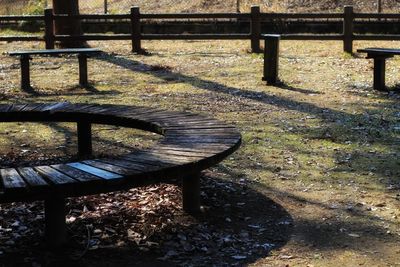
{"x": 84, "y": 139}
{"x": 379, "y": 74}
{"x": 56, "y": 230}
{"x": 83, "y": 75}
{"x": 25, "y": 74}
{"x": 191, "y": 194}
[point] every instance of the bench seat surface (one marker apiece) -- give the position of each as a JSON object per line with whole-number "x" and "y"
{"x": 56, "y": 51}
{"x": 191, "y": 143}
{"x": 382, "y": 51}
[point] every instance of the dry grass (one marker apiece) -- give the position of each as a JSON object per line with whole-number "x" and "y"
{"x": 323, "y": 145}
{"x": 181, "y": 6}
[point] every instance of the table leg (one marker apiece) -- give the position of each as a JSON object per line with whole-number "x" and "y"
{"x": 191, "y": 194}
{"x": 25, "y": 74}
{"x": 56, "y": 230}
{"x": 84, "y": 139}
{"x": 379, "y": 74}
{"x": 83, "y": 76}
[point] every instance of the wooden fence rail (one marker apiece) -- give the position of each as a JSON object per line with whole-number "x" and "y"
{"x": 255, "y": 17}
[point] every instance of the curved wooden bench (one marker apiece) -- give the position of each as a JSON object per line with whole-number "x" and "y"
{"x": 191, "y": 143}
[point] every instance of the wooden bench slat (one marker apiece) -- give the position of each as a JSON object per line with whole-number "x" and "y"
{"x": 149, "y": 159}
{"x": 11, "y": 180}
{"x": 54, "y": 176}
{"x": 95, "y": 171}
{"x": 109, "y": 167}
{"x": 127, "y": 164}
{"x": 17, "y": 107}
{"x": 32, "y": 177}
{"x": 183, "y": 153}
{"x": 194, "y": 149}
{"x": 76, "y": 173}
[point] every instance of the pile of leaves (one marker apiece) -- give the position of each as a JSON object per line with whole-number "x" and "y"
{"x": 237, "y": 225}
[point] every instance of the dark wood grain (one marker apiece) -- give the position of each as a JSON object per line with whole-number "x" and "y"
{"x": 12, "y": 181}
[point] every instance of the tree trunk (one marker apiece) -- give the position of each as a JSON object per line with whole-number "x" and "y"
{"x": 68, "y": 26}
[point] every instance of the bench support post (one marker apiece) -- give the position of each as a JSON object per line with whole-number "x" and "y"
{"x": 191, "y": 193}
{"x": 271, "y": 58}
{"x": 25, "y": 73}
{"x": 83, "y": 75}
{"x": 56, "y": 230}
{"x": 84, "y": 139}
{"x": 379, "y": 74}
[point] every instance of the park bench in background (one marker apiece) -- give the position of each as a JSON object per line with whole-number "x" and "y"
{"x": 25, "y": 56}
{"x": 191, "y": 143}
{"x": 379, "y": 55}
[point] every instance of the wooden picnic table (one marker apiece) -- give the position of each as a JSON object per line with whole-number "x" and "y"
{"x": 190, "y": 144}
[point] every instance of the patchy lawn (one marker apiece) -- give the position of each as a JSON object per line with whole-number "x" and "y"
{"x": 315, "y": 183}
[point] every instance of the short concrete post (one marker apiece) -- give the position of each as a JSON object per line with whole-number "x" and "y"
{"x": 271, "y": 58}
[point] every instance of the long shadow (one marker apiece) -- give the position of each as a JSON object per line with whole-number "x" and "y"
{"x": 283, "y": 85}
{"x": 342, "y": 120}
{"x": 263, "y": 97}
{"x": 238, "y": 226}
{"x": 73, "y": 90}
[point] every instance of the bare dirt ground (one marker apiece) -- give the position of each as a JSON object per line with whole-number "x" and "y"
{"x": 315, "y": 183}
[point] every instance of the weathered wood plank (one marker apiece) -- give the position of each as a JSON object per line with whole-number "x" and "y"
{"x": 55, "y": 176}
{"x": 95, "y": 171}
{"x": 109, "y": 167}
{"x": 32, "y": 177}
{"x": 76, "y": 173}
{"x": 12, "y": 181}
{"x": 127, "y": 164}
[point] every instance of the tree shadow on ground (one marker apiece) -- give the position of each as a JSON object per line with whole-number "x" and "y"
{"x": 146, "y": 227}
{"x": 344, "y": 125}
{"x": 285, "y": 86}
{"x": 73, "y": 90}
{"x": 354, "y": 227}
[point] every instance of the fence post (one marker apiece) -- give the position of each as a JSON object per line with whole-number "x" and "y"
{"x": 255, "y": 29}
{"x": 105, "y": 6}
{"x": 136, "y": 31}
{"x": 49, "y": 28}
{"x": 271, "y": 58}
{"x": 348, "y": 27}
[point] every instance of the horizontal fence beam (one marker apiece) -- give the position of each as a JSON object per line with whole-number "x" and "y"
{"x": 301, "y": 15}
{"x": 197, "y": 16}
{"x": 23, "y": 18}
{"x": 376, "y": 16}
{"x": 93, "y": 37}
{"x": 20, "y": 38}
{"x": 312, "y": 37}
{"x": 196, "y": 36}
{"x": 92, "y": 16}
{"x": 99, "y": 37}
